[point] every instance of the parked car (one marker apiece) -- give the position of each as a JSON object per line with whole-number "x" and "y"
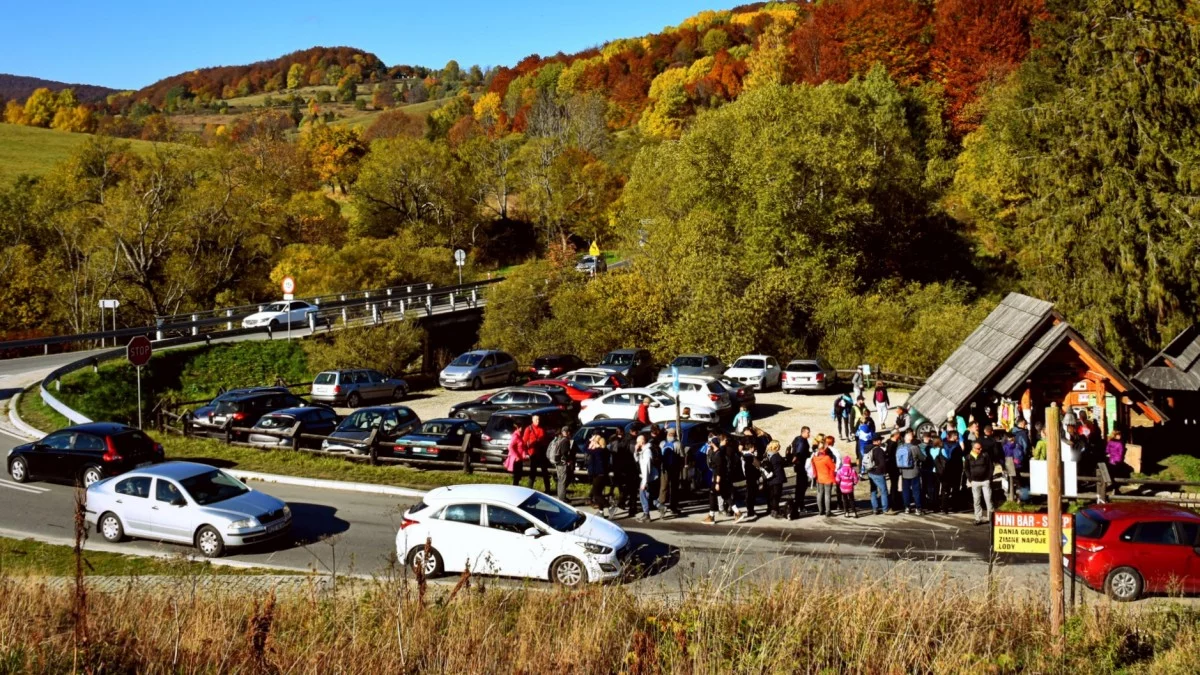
{"x": 200, "y": 421}
{"x": 358, "y": 386}
{"x": 601, "y": 381}
{"x": 592, "y": 264}
{"x": 478, "y": 368}
{"x": 554, "y": 365}
{"x": 245, "y": 410}
{"x": 694, "y": 364}
{"x": 187, "y": 503}
{"x": 808, "y": 375}
{"x": 315, "y": 420}
{"x": 739, "y": 393}
{"x": 512, "y": 398}
{"x": 635, "y": 364}
{"x": 352, "y": 433}
{"x": 623, "y": 404}
{"x": 509, "y": 531}
{"x": 605, "y": 427}
{"x": 698, "y": 392}
{"x": 576, "y": 391}
{"x": 422, "y": 442}
{"x": 498, "y": 430}
{"x": 1130, "y": 549}
{"x": 759, "y": 371}
{"x": 278, "y": 315}
{"x": 84, "y": 453}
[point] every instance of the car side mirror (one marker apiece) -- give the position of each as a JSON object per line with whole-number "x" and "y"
{"x": 533, "y": 532}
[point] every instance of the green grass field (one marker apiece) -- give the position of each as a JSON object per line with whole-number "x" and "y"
{"x": 35, "y": 151}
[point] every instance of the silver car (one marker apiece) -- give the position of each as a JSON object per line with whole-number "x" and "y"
{"x": 188, "y": 503}
{"x": 479, "y": 368}
{"x": 707, "y": 365}
{"x": 355, "y": 387}
{"x": 808, "y": 375}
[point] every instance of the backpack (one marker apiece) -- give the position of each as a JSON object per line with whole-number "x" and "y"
{"x": 656, "y": 459}
{"x": 880, "y": 395}
{"x": 868, "y": 460}
{"x": 904, "y": 458}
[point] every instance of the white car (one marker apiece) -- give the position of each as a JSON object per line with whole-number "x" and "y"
{"x": 759, "y": 371}
{"x": 622, "y": 404}
{"x": 808, "y": 375}
{"x": 511, "y": 531}
{"x": 278, "y": 314}
{"x": 697, "y": 391}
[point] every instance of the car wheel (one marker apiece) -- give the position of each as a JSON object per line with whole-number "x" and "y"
{"x": 19, "y": 470}
{"x": 274, "y": 326}
{"x": 399, "y": 394}
{"x": 430, "y": 566}
{"x": 512, "y": 378}
{"x": 477, "y": 384}
{"x": 568, "y": 572}
{"x": 91, "y": 475}
{"x": 354, "y": 400}
{"x": 1123, "y": 584}
{"x": 209, "y": 542}
{"x": 111, "y": 529}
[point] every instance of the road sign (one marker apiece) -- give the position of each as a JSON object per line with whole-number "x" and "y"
{"x": 110, "y": 304}
{"x": 594, "y": 249}
{"x": 138, "y": 351}
{"x": 675, "y": 379}
{"x": 289, "y": 285}
{"x": 460, "y": 257}
{"x": 1028, "y": 533}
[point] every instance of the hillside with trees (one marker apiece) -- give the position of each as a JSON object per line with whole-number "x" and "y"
{"x": 19, "y": 88}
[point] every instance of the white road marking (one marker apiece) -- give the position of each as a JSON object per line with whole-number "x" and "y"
{"x": 32, "y": 489}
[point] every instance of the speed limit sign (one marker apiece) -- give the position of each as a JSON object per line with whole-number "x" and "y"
{"x": 289, "y": 287}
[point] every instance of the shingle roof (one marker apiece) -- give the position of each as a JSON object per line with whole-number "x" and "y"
{"x": 993, "y": 345}
{"x": 1016, "y": 377}
{"x": 1176, "y": 368}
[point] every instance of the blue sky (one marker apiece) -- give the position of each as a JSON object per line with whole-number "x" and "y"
{"x": 132, "y": 43}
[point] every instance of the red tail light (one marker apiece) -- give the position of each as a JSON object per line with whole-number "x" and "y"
{"x": 238, "y": 416}
{"x": 111, "y": 455}
{"x": 554, "y": 371}
{"x": 486, "y": 437}
{"x": 407, "y": 522}
{"x": 714, "y": 397}
{"x": 820, "y": 377}
{"x": 337, "y": 388}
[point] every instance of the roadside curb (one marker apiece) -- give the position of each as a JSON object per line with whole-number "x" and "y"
{"x": 17, "y": 422}
{"x": 321, "y": 483}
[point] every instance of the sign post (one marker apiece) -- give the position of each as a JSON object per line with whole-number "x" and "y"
{"x": 138, "y": 353}
{"x": 288, "y": 285}
{"x": 594, "y": 249}
{"x": 460, "y": 259}
{"x": 113, "y": 305}
{"x": 678, "y": 422}
{"x": 1054, "y": 501}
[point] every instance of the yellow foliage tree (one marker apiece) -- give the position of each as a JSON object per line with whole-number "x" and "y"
{"x": 664, "y": 116}
{"x": 14, "y": 112}
{"x": 335, "y": 153}
{"x": 769, "y": 60}
{"x": 487, "y": 110}
{"x": 40, "y": 108}
{"x": 295, "y": 76}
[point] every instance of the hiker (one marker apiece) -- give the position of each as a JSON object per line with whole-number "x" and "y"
{"x": 908, "y": 459}
{"x": 862, "y": 414}
{"x": 902, "y": 419}
{"x": 561, "y": 455}
{"x": 978, "y": 474}
{"x": 843, "y": 414}
{"x": 751, "y": 469}
{"x": 930, "y": 445}
{"x": 856, "y": 381}
{"x": 893, "y": 471}
{"x": 646, "y": 476}
{"x": 837, "y": 456}
{"x": 669, "y": 472}
{"x": 1021, "y": 434}
{"x": 800, "y": 455}
{"x": 825, "y": 473}
{"x": 716, "y": 464}
{"x": 882, "y": 403}
{"x": 514, "y": 461}
{"x": 847, "y": 478}
{"x": 875, "y": 467}
{"x": 535, "y": 447}
{"x": 948, "y": 466}
{"x": 863, "y": 435}
{"x": 624, "y": 473}
{"x": 741, "y": 421}
{"x": 1013, "y": 450}
{"x": 598, "y": 467}
{"x": 775, "y": 477}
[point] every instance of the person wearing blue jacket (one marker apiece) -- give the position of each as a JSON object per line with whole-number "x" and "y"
{"x": 864, "y": 435}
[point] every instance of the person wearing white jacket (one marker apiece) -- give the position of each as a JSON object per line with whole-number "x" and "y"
{"x": 646, "y": 474}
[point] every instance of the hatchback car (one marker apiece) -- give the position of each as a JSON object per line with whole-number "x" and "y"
{"x": 447, "y": 433}
{"x": 499, "y": 429}
{"x": 699, "y": 392}
{"x": 756, "y": 370}
{"x": 352, "y": 434}
{"x": 576, "y": 391}
{"x": 482, "y": 408}
{"x": 635, "y": 364}
{"x": 693, "y": 364}
{"x": 623, "y": 404}
{"x": 199, "y": 417}
{"x": 244, "y": 411}
{"x": 84, "y": 453}
{"x": 592, "y": 264}
{"x": 808, "y": 375}
{"x": 477, "y": 369}
{"x": 269, "y": 430}
{"x": 186, "y": 503}
{"x": 554, "y": 365}
{"x": 279, "y": 315}
{"x": 601, "y": 381}
{"x": 509, "y": 531}
{"x": 355, "y": 387}
{"x": 1128, "y": 549}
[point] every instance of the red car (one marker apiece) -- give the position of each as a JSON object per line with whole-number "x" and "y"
{"x": 574, "y": 390}
{"x": 1131, "y": 548}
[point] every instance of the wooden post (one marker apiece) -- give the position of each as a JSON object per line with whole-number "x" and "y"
{"x": 466, "y": 454}
{"x": 373, "y": 447}
{"x": 296, "y": 435}
{"x": 1054, "y": 499}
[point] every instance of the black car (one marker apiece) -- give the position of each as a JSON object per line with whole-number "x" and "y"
{"x": 200, "y": 416}
{"x": 499, "y": 429}
{"x": 553, "y": 365}
{"x": 315, "y": 420}
{"x": 246, "y": 409}
{"x": 606, "y": 428}
{"x": 85, "y": 453}
{"x": 423, "y": 442}
{"x": 635, "y": 364}
{"x": 481, "y": 409}
{"x": 392, "y": 421}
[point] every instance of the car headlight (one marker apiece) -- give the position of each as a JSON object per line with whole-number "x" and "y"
{"x": 243, "y": 524}
{"x": 598, "y": 549}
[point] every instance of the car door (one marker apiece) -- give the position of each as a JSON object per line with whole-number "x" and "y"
{"x": 774, "y": 374}
{"x": 1158, "y": 554}
{"x": 87, "y": 449}
{"x": 50, "y": 455}
{"x": 1189, "y": 536}
{"x": 372, "y": 385}
{"x": 170, "y": 519}
{"x": 455, "y": 536}
{"x": 132, "y": 505}
{"x": 514, "y": 553}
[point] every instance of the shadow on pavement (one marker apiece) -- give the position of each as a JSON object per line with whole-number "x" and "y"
{"x": 6, "y": 394}
{"x": 312, "y": 523}
{"x": 764, "y": 410}
{"x": 650, "y": 556}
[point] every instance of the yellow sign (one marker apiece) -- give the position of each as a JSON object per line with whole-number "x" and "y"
{"x": 1027, "y": 533}
{"x": 594, "y": 250}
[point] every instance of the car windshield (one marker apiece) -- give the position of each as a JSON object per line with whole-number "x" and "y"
{"x": 276, "y": 307}
{"x": 547, "y": 361}
{"x": 617, "y": 359}
{"x": 326, "y": 378}
{"x": 436, "y": 428}
{"x": 553, "y": 513}
{"x": 688, "y": 362}
{"x": 751, "y": 364}
{"x": 363, "y": 420}
{"x": 275, "y": 422}
{"x": 1090, "y": 524}
{"x": 212, "y": 487}
{"x": 803, "y": 366}
{"x": 468, "y": 360}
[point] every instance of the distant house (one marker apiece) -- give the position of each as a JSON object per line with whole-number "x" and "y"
{"x": 1023, "y": 358}
{"x": 1173, "y": 377}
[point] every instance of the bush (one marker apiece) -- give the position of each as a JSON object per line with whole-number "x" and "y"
{"x": 389, "y": 348}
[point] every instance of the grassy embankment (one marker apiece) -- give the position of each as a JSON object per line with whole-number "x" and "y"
{"x": 26, "y": 557}
{"x": 35, "y": 151}
{"x": 823, "y": 622}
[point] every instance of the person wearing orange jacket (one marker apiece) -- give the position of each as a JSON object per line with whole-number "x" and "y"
{"x": 825, "y": 473}
{"x": 536, "y": 442}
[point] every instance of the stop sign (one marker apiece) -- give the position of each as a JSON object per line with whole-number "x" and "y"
{"x": 138, "y": 351}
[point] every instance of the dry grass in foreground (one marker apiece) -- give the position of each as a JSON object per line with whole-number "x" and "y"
{"x": 396, "y": 626}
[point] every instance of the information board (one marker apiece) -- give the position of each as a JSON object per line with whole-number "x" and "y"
{"x": 1028, "y": 533}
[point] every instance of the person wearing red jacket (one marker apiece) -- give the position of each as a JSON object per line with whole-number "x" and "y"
{"x": 643, "y": 412}
{"x": 515, "y": 460}
{"x": 536, "y": 442}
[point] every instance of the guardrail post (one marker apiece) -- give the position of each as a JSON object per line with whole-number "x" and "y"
{"x": 474, "y": 298}
{"x": 429, "y": 304}
{"x": 374, "y": 313}
{"x": 312, "y": 322}
{"x": 228, "y": 324}
{"x": 260, "y": 308}
{"x": 344, "y": 316}
{"x": 429, "y": 287}
{"x": 466, "y": 454}
{"x": 389, "y": 302}
{"x": 452, "y": 301}
{"x": 46, "y": 349}
{"x": 410, "y": 290}
{"x": 195, "y": 329}
{"x": 157, "y": 335}
{"x": 295, "y": 435}
{"x": 402, "y": 308}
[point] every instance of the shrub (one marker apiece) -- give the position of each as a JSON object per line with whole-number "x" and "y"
{"x": 390, "y": 347}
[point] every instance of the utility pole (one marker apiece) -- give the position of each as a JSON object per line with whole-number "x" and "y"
{"x": 1054, "y": 477}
